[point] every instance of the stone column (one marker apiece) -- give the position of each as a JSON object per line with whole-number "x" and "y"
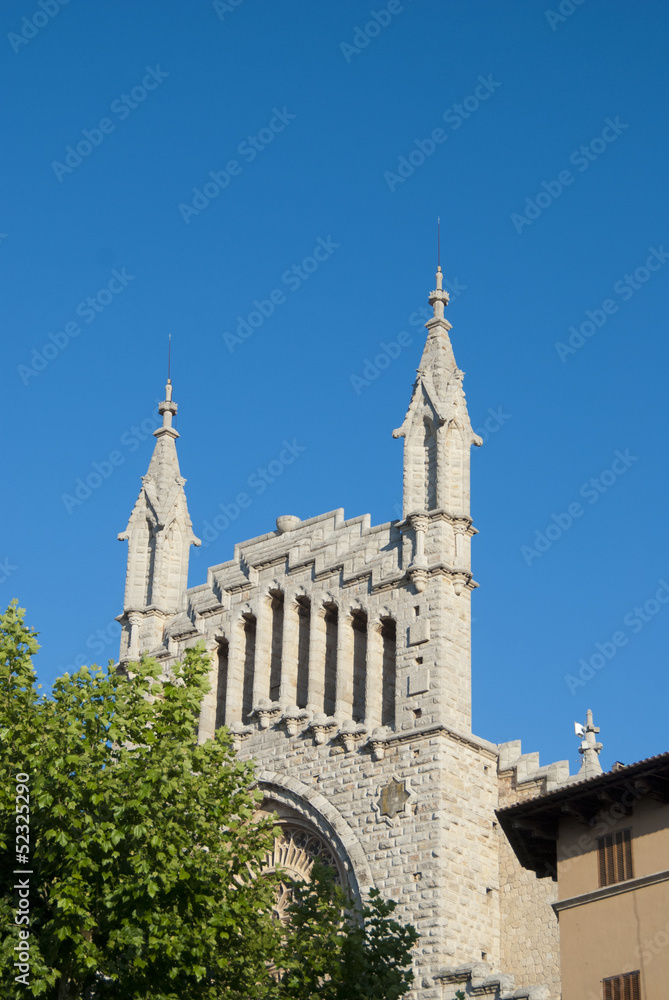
{"x": 418, "y": 567}
{"x": 374, "y": 680}
{"x": 207, "y": 726}
{"x": 288, "y": 690}
{"x": 235, "y": 689}
{"x": 135, "y": 622}
{"x": 344, "y": 695}
{"x": 263, "y": 649}
{"x": 316, "y": 692}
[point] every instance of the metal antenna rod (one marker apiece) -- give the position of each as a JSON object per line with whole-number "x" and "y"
{"x": 438, "y": 242}
{"x": 169, "y": 355}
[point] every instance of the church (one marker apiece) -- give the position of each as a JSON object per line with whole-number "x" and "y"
{"x": 341, "y": 664}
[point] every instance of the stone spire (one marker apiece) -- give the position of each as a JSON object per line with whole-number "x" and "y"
{"x": 590, "y": 748}
{"x": 160, "y": 534}
{"x": 437, "y": 430}
{"x": 436, "y": 521}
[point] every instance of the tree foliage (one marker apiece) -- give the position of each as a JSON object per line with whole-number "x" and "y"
{"x": 146, "y": 856}
{"x": 336, "y": 951}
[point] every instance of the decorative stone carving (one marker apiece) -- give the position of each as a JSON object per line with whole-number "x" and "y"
{"x": 292, "y": 717}
{"x": 294, "y": 852}
{"x": 240, "y": 733}
{"x": 323, "y": 727}
{"x": 418, "y": 568}
{"x": 266, "y": 711}
{"x": 377, "y": 742}
{"x": 352, "y": 734}
{"x": 286, "y": 522}
{"x": 394, "y": 797}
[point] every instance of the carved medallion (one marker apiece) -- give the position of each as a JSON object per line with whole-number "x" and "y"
{"x": 393, "y": 798}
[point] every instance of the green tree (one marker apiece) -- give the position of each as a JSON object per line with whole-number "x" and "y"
{"x": 336, "y": 951}
{"x": 146, "y": 860}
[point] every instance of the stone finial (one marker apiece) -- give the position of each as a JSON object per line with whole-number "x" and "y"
{"x": 286, "y": 522}
{"x": 438, "y": 298}
{"x": 167, "y": 410}
{"x": 589, "y": 747}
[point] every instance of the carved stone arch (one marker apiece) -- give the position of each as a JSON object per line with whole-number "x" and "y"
{"x": 380, "y": 614}
{"x": 355, "y": 604}
{"x": 300, "y": 805}
{"x": 298, "y": 592}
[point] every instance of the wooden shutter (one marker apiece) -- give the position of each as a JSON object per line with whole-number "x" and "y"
{"x": 627, "y": 847}
{"x": 614, "y": 858}
{"x": 625, "y": 987}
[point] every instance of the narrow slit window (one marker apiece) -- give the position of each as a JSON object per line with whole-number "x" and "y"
{"x": 249, "y": 666}
{"x": 277, "y": 645}
{"x": 331, "y": 630}
{"x": 304, "y": 628}
{"x": 359, "y": 622}
{"x": 388, "y": 634}
{"x": 221, "y": 683}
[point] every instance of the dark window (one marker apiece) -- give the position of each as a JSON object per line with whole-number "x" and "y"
{"x": 304, "y": 616}
{"x": 221, "y": 683}
{"x": 277, "y": 645}
{"x": 624, "y": 987}
{"x": 331, "y": 627}
{"x": 249, "y": 666}
{"x": 615, "y": 857}
{"x": 359, "y": 622}
{"x": 388, "y": 634}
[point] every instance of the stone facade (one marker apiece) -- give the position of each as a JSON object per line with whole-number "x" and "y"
{"x": 341, "y": 662}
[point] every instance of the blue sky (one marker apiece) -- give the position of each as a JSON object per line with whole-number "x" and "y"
{"x": 212, "y": 149}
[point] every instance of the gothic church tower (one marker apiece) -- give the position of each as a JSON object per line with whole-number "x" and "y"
{"x": 437, "y": 440}
{"x": 340, "y": 658}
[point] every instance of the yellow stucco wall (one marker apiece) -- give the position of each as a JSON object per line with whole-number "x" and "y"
{"x": 620, "y": 933}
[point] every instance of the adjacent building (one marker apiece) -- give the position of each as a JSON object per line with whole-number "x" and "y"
{"x": 606, "y": 840}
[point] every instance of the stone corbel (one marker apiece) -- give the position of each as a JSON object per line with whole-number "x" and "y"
{"x": 266, "y": 711}
{"x": 377, "y": 742}
{"x": 323, "y": 727}
{"x": 292, "y": 717}
{"x": 240, "y": 733}
{"x": 459, "y": 581}
{"x": 351, "y": 734}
